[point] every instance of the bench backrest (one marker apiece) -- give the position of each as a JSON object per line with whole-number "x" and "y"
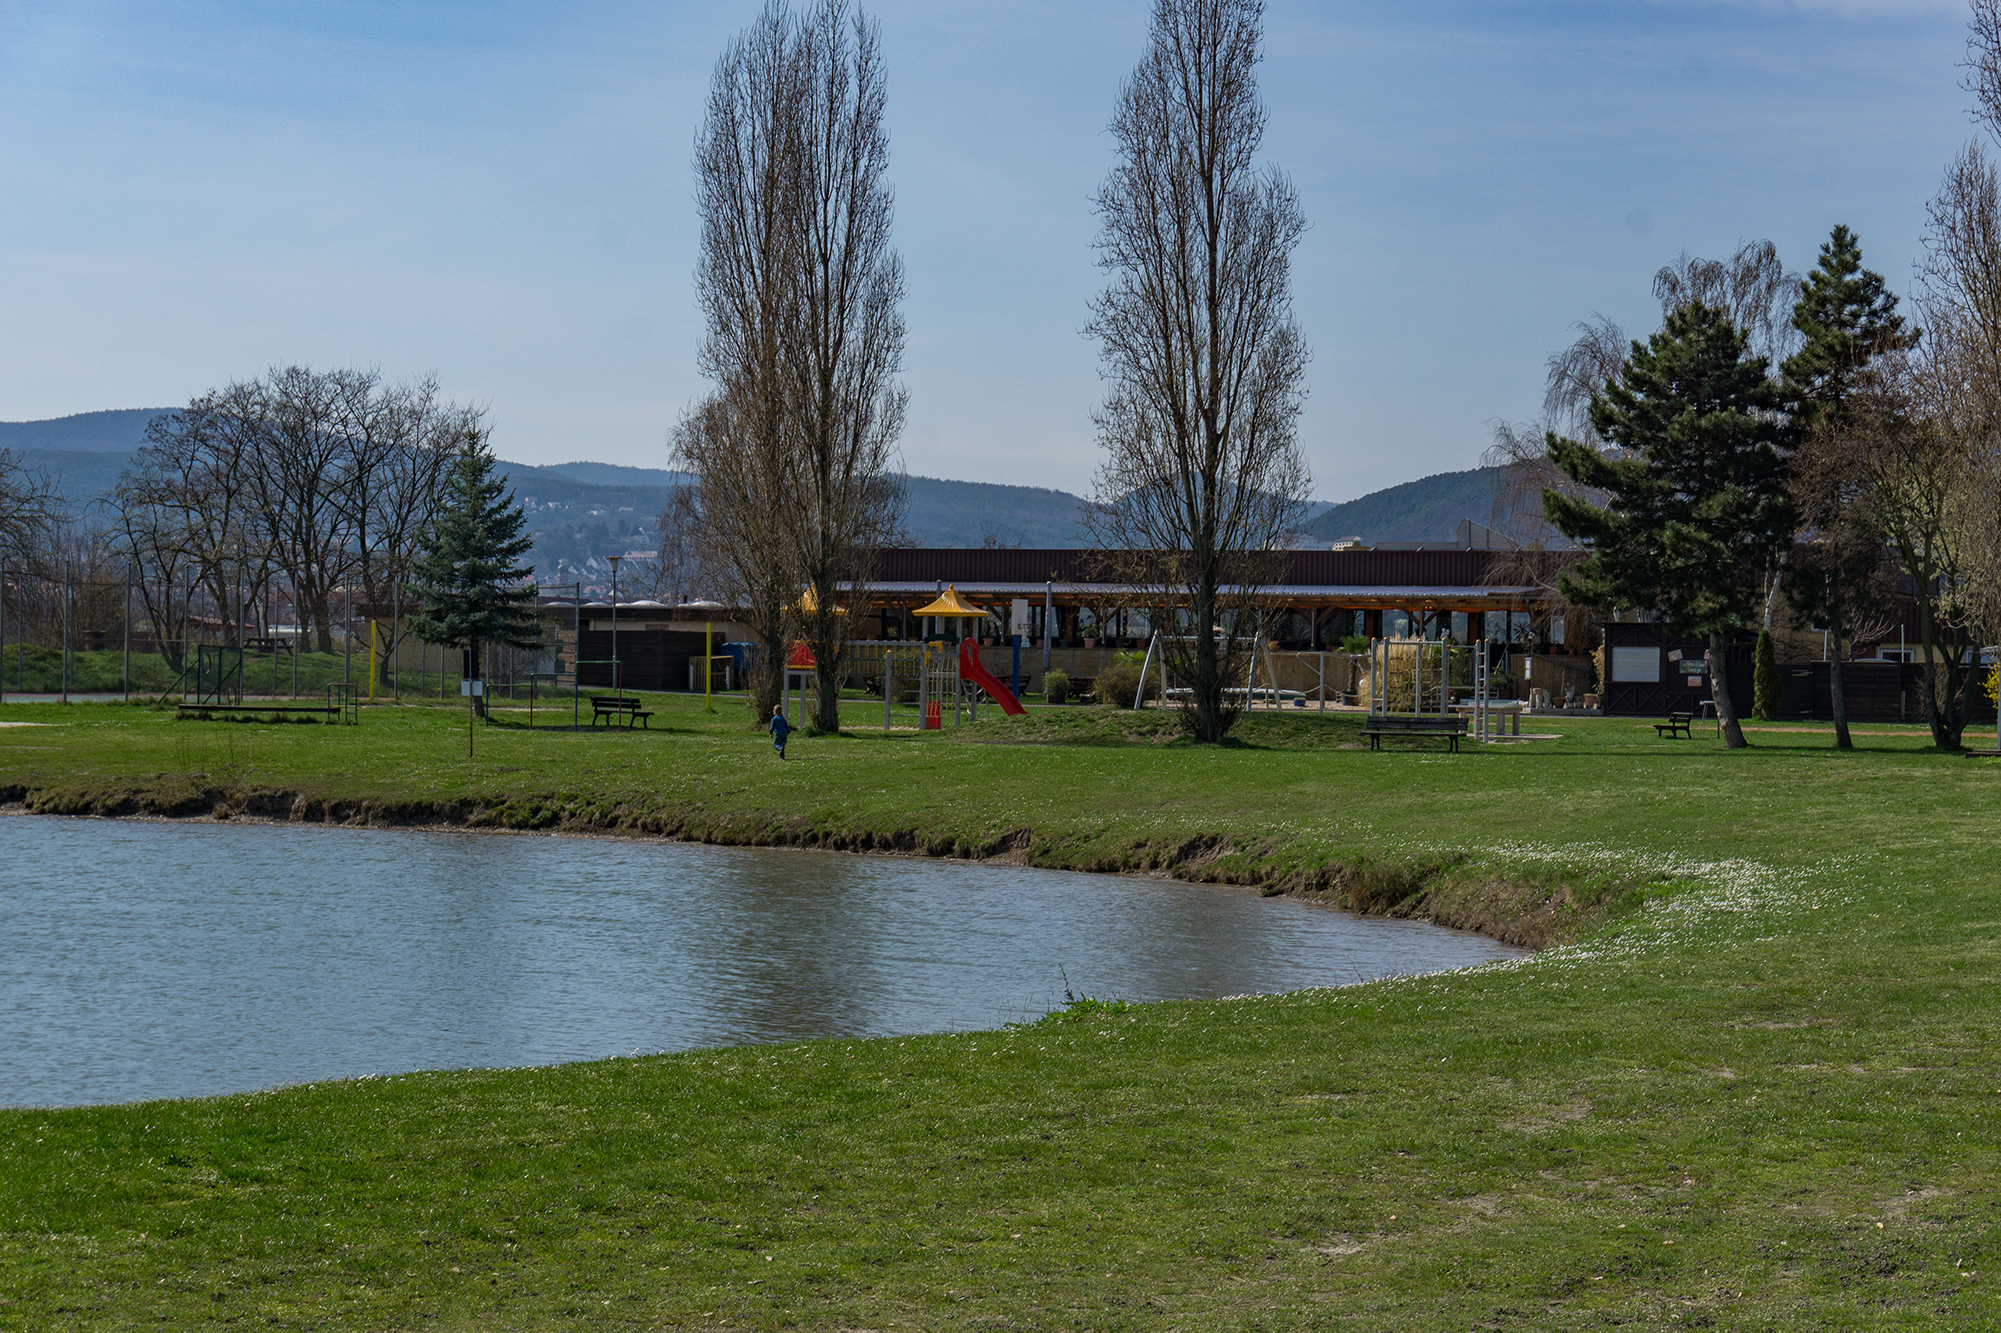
{"x": 1417, "y": 723}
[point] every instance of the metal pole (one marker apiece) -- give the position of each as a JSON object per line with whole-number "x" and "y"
{"x": 576, "y": 672}
{"x": 1048, "y": 614}
{"x": 396, "y": 648}
{"x": 1139, "y": 696}
{"x": 3, "y": 634}
{"x": 127, "y": 617}
{"x": 68, "y": 574}
{"x": 617, "y": 676}
{"x": 708, "y": 663}
{"x": 888, "y": 684}
{"x": 296, "y": 635}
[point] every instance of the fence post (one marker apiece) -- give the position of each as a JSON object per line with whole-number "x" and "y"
{"x": 66, "y": 611}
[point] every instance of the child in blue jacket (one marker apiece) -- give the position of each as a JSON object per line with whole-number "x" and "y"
{"x": 780, "y": 729}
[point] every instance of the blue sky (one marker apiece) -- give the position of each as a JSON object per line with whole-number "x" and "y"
{"x": 500, "y": 194}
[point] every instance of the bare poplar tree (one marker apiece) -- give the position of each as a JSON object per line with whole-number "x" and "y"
{"x": 797, "y": 448}
{"x": 734, "y": 441}
{"x": 845, "y": 494}
{"x": 1202, "y": 470}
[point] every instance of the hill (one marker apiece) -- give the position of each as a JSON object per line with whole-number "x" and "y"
{"x": 1428, "y": 509}
{"x": 120, "y": 431}
{"x": 582, "y": 508}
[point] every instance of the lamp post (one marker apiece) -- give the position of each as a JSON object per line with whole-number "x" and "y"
{"x": 617, "y": 676}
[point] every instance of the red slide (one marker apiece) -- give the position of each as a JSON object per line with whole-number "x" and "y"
{"x": 970, "y": 669}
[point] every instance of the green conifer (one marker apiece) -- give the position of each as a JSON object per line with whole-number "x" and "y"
{"x": 1696, "y": 514}
{"x": 1846, "y": 317}
{"x": 1766, "y": 688}
{"x": 472, "y": 590}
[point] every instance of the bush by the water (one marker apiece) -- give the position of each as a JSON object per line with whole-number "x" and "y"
{"x": 1056, "y": 687}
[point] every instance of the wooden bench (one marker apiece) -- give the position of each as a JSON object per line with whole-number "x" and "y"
{"x": 622, "y": 712}
{"x": 1451, "y": 728}
{"x": 1676, "y": 725}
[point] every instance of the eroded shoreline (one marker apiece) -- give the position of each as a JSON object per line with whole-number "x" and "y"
{"x": 1532, "y": 912}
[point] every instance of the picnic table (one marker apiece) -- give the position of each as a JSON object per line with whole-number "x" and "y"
{"x": 1511, "y": 708}
{"x": 621, "y": 711}
{"x": 1450, "y": 728}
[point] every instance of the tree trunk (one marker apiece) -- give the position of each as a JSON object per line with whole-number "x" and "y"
{"x": 1719, "y": 690}
{"x": 828, "y": 646}
{"x": 1837, "y": 696}
{"x": 764, "y": 680}
{"x": 1206, "y": 689}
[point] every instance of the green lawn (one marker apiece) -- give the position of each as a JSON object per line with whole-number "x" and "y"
{"x": 1759, "y": 1093}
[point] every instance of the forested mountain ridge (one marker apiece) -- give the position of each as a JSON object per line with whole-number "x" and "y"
{"x": 582, "y": 508}
{"x": 1428, "y": 509}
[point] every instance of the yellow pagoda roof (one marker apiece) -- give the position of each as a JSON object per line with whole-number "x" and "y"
{"x": 950, "y": 605}
{"x": 808, "y": 604}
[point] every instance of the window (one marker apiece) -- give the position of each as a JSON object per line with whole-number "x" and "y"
{"x": 1636, "y": 666}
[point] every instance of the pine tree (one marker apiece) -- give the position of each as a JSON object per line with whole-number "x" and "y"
{"x": 473, "y": 592}
{"x": 1847, "y": 318}
{"x": 1697, "y": 514}
{"x": 1767, "y": 690}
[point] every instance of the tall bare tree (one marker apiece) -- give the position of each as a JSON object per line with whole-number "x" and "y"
{"x": 845, "y": 498}
{"x": 802, "y": 293}
{"x": 1206, "y": 366}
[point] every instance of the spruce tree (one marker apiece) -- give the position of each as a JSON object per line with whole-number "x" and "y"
{"x": 472, "y": 590}
{"x": 1696, "y": 513}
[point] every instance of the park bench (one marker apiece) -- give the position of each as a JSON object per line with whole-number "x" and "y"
{"x": 206, "y": 711}
{"x": 1676, "y": 725}
{"x": 622, "y": 712}
{"x": 1451, "y": 728}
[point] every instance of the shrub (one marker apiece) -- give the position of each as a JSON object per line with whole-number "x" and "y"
{"x": 1056, "y": 687}
{"x": 1766, "y": 689}
{"x": 1355, "y": 643}
{"x": 1117, "y": 684}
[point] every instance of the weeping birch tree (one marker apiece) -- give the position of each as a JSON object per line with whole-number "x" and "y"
{"x": 1201, "y": 470}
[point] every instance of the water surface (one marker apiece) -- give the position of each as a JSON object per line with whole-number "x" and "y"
{"x": 143, "y": 959}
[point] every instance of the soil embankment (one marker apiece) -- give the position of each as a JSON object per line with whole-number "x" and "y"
{"x": 1524, "y": 911}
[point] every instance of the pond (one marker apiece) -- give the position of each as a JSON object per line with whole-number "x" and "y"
{"x": 148, "y": 959}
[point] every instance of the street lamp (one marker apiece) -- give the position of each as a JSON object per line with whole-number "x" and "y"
{"x": 617, "y": 676}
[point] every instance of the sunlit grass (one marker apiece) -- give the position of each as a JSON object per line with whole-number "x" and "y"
{"x": 1760, "y": 1095}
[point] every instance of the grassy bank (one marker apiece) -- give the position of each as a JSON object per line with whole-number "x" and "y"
{"x": 1759, "y": 1094}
